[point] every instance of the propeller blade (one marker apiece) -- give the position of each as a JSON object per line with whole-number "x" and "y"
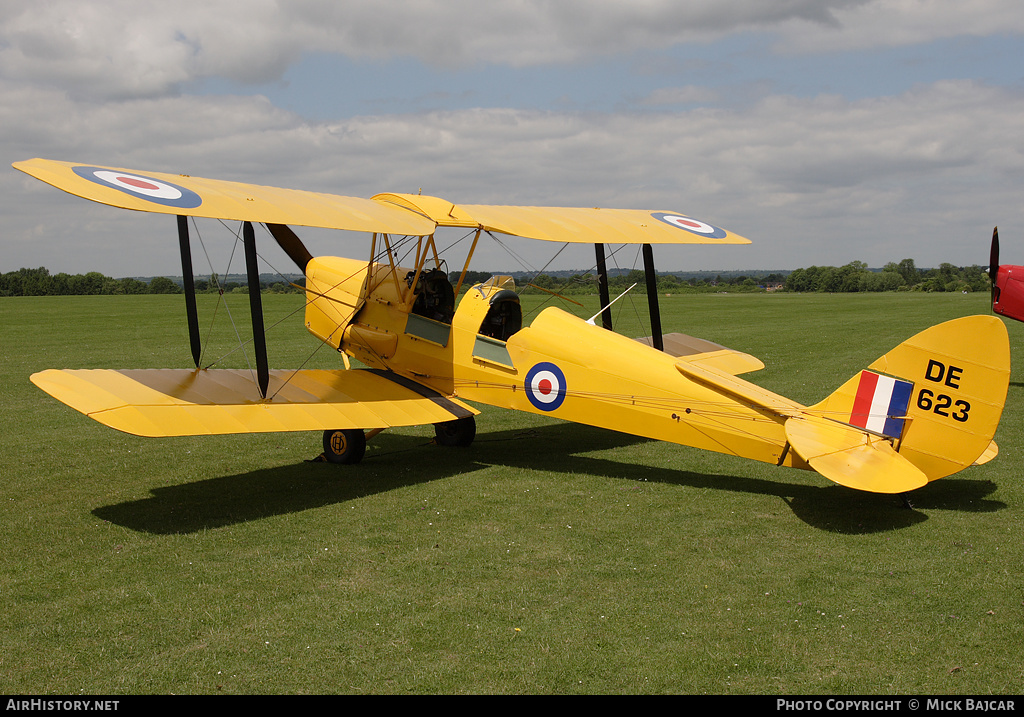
{"x": 993, "y": 257}
{"x": 292, "y": 245}
{"x": 993, "y": 265}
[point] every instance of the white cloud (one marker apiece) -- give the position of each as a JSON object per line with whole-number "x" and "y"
{"x": 464, "y": 32}
{"x": 125, "y": 48}
{"x": 810, "y": 180}
{"x": 689, "y": 94}
{"x": 894, "y": 23}
{"x": 822, "y": 180}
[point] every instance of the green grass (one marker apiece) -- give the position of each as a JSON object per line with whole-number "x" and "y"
{"x": 546, "y": 558}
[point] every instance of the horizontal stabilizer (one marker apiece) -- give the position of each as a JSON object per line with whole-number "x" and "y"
{"x": 707, "y": 353}
{"x": 749, "y": 394}
{"x": 851, "y": 457}
{"x": 991, "y": 452}
{"x": 182, "y": 402}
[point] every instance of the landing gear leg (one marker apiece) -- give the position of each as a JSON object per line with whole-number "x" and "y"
{"x": 457, "y": 433}
{"x": 344, "y": 446}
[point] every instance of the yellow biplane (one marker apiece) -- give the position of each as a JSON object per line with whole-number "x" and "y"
{"x": 927, "y": 409}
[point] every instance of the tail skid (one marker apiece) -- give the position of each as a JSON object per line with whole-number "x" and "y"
{"x": 923, "y": 411}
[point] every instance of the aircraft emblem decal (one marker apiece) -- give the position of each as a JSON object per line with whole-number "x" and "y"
{"x": 153, "y": 190}
{"x": 690, "y": 224}
{"x": 545, "y": 386}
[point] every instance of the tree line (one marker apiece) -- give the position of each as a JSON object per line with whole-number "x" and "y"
{"x": 40, "y": 282}
{"x": 584, "y": 283}
{"x": 894, "y": 276}
{"x": 852, "y": 277}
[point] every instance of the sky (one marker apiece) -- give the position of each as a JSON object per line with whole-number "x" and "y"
{"x": 825, "y": 131}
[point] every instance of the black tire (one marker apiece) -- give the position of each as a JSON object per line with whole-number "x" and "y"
{"x": 455, "y": 434}
{"x": 344, "y": 446}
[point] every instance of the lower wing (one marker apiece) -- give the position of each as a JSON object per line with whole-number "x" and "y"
{"x": 183, "y": 402}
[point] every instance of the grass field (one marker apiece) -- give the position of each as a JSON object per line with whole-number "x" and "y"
{"x": 546, "y": 558}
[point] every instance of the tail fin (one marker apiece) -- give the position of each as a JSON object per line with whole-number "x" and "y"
{"x": 925, "y": 410}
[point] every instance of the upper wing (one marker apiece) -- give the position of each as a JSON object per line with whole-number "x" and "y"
{"x": 609, "y": 226}
{"x": 181, "y": 402}
{"x": 217, "y": 199}
{"x": 570, "y": 224}
{"x": 408, "y": 214}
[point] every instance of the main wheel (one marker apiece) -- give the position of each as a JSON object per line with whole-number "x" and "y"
{"x": 457, "y": 433}
{"x": 344, "y": 446}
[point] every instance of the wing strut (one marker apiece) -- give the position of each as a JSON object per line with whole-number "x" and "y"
{"x": 259, "y": 336}
{"x": 602, "y": 287}
{"x": 652, "y": 298}
{"x": 190, "y": 289}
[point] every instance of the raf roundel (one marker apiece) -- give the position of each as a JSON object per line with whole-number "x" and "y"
{"x": 691, "y": 225}
{"x": 545, "y": 386}
{"x": 153, "y": 190}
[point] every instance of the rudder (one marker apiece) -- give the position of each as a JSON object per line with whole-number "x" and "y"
{"x": 949, "y": 382}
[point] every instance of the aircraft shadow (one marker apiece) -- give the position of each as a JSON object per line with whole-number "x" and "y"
{"x": 393, "y": 461}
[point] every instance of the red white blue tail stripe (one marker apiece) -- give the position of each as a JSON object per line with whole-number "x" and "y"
{"x": 881, "y": 403}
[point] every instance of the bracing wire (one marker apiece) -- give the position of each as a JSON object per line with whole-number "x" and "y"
{"x": 526, "y": 266}
{"x": 631, "y": 301}
{"x": 221, "y": 300}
